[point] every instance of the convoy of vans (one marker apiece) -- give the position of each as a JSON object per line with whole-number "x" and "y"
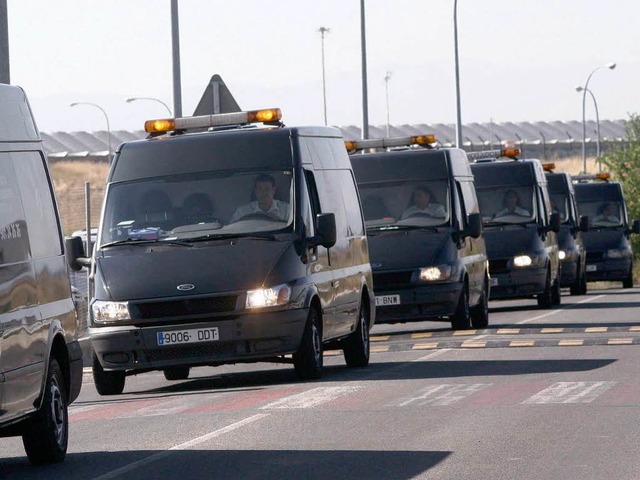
{"x": 224, "y": 242}
{"x": 424, "y": 226}
{"x": 40, "y": 356}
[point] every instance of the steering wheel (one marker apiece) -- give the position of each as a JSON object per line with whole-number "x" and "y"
{"x": 421, "y": 215}
{"x": 260, "y": 216}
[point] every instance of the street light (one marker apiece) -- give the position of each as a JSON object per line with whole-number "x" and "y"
{"x": 387, "y": 77}
{"x": 133, "y": 99}
{"x": 106, "y": 118}
{"x": 455, "y": 43}
{"x": 610, "y": 66}
{"x": 595, "y": 105}
{"x": 323, "y": 31}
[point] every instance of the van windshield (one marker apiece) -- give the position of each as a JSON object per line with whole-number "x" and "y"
{"x": 207, "y": 204}
{"x": 507, "y": 205}
{"x": 405, "y": 204}
{"x": 606, "y": 213}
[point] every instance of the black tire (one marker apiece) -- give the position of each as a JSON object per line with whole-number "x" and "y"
{"x": 107, "y": 383}
{"x": 308, "y": 360}
{"x": 357, "y": 347}
{"x": 580, "y": 285}
{"x": 176, "y": 373}
{"x": 545, "y": 299}
{"x": 628, "y": 282}
{"x": 480, "y": 312}
{"x": 46, "y": 435}
{"x": 556, "y": 294}
{"x": 461, "y": 320}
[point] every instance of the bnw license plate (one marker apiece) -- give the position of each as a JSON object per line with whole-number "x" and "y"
{"x": 494, "y": 281}
{"x": 384, "y": 300}
{"x": 591, "y": 268}
{"x": 196, "y": 335}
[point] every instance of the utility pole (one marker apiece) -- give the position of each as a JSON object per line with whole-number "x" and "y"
{"x": 323, "y": 31}
{"x": 387, "y": 77}
{"x": 175, "y": 49}
{"x": 4, "y": 43}
{"x": 365, "y": 101}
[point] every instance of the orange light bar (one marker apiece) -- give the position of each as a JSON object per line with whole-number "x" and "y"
{"x": 603, "y": 176}
{"x": 548, "y": 167}
{"x": 217, "y": 120}
{"x": 510, "y": 152}
{"x": 353, "y": 145}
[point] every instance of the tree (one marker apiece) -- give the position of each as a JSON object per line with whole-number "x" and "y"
{"x": 623, "y": 162}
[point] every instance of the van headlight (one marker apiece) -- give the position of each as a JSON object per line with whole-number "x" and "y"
{"x": 567, "y": 255}
{"x": 268, "y": 297}
{"x": 562, "y": 254}
{"x": 110, "y": 312}
{"x": 436, "y": 273}
{"x": 529, "y": 261}
{"x": 618, "y": 253}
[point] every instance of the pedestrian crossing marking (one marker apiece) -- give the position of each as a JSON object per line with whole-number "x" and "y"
{"x": 552, "y": 330}
{"x": 380, "y": 349}
{"x": 458, "y": 333}
{"x": 380, "y": 338}
{"x": 620, "y": 341}
{"x": 596, "y": 329}
{"x": 570, "y": 343}
{"x": 635, "y": 329}
{"x": 439, "y": 395}
{"x": 425, "y": 346}
{"x": 508, "y": 331}
{"x": 474, "y": 344}
{"x": 422, "y": 335}
{"x": 310, "y": 398}
{"x": 522, "y": 343}
{"x": 570, "y": 392}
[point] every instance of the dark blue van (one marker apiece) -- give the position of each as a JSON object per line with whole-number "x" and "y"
{"x": 608, "y": 243}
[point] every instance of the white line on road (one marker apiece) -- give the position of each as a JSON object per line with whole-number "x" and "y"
{"x": 182, "y": 446}
{"x": 554, "y": 312}
{"x": 311, "y": 398}
{"x": 570, "y": 392}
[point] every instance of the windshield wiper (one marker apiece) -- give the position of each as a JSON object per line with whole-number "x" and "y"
{"x": 218, "y": 236}
{"x": 142, "y": 241}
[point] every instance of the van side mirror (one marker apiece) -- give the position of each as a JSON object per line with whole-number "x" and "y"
{"x": 584, "y": 223}
{"x": 635, "y": 226}
{"x": 554, "y": 222}
{"x": 75, "y": 253}
{"x": 474, "y": 226}
{"x": 326, "y": 230}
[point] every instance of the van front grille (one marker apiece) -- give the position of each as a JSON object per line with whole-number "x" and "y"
{"x": 498, "y": 265}
{"x": 190, "y": 351}
{"x": 184, "y": 307}
{"x": 594, "y": 256}
{"x": 391, "y": 280}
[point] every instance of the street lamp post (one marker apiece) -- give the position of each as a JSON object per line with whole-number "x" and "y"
{"x": 457, "y": 70}
{"x": 133, "y": 99}
{"x": 610, "y": 66}
{"x": 323, "y": 31}
{"x": 595, "y": 106}
{"x": 387, "y": 77}
{"x": 365, "y": 94}
{"x": 106, "y": 118}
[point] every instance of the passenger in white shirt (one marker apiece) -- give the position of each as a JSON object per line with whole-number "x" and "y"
{"x": 512, "y": 206}
{"x": 265, "y": 203}
{"x": 421, "y": 204}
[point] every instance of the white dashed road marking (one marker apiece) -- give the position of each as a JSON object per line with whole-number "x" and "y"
{"x": 570, "y": 392}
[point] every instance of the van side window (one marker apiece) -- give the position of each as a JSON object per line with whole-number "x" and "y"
{"x": 329, "y": 186}
{"x": 14, "y": 238}
{"x": 351, "y": 202}
{"x": 461, "y": 216}
{"x": 38, "y": 204}
{"x": 310, "y": 205}
{"x": 544, "y": 205}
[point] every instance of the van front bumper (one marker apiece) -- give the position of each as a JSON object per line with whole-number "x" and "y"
{"x": 246, "y": 337}
{"x": 426, "y": 302}
{"x": 523, "y": 283}
{"x": 609, "y": 269}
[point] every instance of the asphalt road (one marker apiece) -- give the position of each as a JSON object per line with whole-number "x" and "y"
{"x": 540, "y": 394}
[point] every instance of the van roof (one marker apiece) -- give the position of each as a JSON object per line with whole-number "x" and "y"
{"x": 16, "y": 121}
{"x": 508, "y": 173}
{"x": 410, "y": 165}
{"x": 222, "y": 149}
{"x": 596, "y": 191}
{"x": 559, "y": 182}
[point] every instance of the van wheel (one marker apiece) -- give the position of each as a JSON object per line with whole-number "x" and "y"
{"x": 356, "y": 347}
{"x": 545, "y": 299}
{"x": 480, "y": 313}
{"x": 556, "y": 295}
{"x": 47, "y": 433}
{"x": 308, "y": 360}
{"x": 580, "y": 285}
{"x": 628, "y": 282}
{"x": 461, "y": 320}
{"x": 107, "y": 383}
{"x": 176, "y": 373}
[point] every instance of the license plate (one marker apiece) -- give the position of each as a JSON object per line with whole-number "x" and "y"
{"x": 384, "y": 300}
{"x": 591, "y": 268}
{"x": 494, "y": 282}
{"x": 196, "y": 335}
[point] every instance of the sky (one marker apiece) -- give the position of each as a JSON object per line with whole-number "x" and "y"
{"x": 520, "y": 60}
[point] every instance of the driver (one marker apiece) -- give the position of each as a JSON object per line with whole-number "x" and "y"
{"x": 607, "y": 212}
{"x": 511, "y": 203}
{"x": 264, "y": 190}
{"x": 421, "y": 204}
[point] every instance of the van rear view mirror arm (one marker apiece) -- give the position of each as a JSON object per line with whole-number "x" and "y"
{"x": 326, "y": 230}
{"x": 76, "y": 258}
